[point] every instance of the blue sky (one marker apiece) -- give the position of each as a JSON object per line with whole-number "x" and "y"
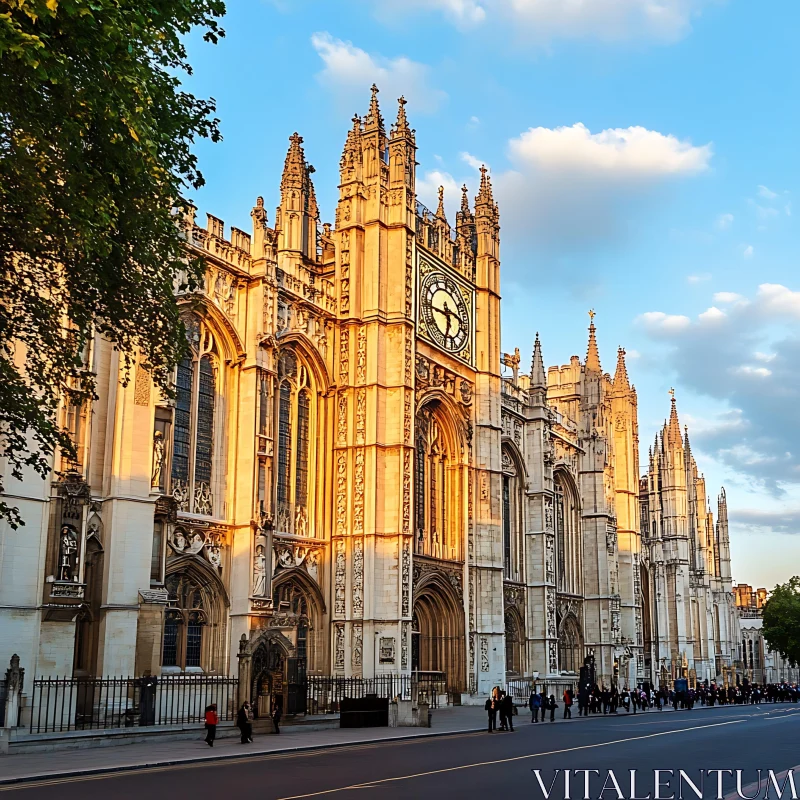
{"x": 644, "y": 156}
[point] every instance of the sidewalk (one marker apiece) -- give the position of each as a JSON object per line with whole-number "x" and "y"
{"x": 25, "y": 767}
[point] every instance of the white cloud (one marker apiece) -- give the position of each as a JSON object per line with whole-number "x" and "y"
{"x": 763, "y": 212}
{"x": 473, "y": 121}
{"x": 724, "y": 221}
{"x": 766, "y": 193}
{"x": 775, "y": 299}
{"x": 711, "y": 315}
{"x": 788, "y": 209}
{"x": 474, "y": 162}
{"x": 626, "y": 153}
{"x": 706, "y": 276}
{"x": 658, "y": 321}
{"x": 727, "y": 297}
{"x": 428, "y": 190}
{"x": 349, "y": 71}
{"x": 748, "y": 371}
{"x": 748, "y": 251}
{"x": 543, "y": 20}
{"x": 765, "y": 357}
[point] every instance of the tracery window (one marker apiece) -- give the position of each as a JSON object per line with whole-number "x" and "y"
{"x": 568, "y": 535}
{"x": 513, "y": 645}
{"x": 511, "y": 508}
{"x": 185, "y": 621}
{"x": 569, "y": 646}
{"x": 194, "y": 423}
{"x": 435, "y": 487}
{"x": 296, "y": 420}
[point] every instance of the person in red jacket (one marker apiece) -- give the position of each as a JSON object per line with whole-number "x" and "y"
{"x": 211, "y": 724}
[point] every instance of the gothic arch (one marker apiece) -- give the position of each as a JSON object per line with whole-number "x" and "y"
{"x": 440, "y": 475}
{"x": 568, "y": 533}
{"x": 227, "y": 336}
{"x": 454, "y": 417}
{"x": 438, "y": 630}
{"x": 512, "y": 509}
{"x": 570, "y": 644}
{"x": 309, "y": 352}
{"x": 514, "y": 638}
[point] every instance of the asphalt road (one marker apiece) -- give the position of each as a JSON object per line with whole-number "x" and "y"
{"x": 499, "y": 765}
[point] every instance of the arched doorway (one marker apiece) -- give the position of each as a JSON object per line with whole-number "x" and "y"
{"x": 438, "y": 633}
{"x": 267, "y": 670}
{"x": 513, "y": 631}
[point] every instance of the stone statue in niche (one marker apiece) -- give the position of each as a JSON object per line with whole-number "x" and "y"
{"x": 214, "y": 554}
{"x": 185, "y": 543}
{"x": 67, "y": 553}
{"x": 260, "y": 572}
{"x": 159, "y": 451}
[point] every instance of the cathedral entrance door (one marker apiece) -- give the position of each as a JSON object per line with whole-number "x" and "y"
{"x": 268, "y": 678}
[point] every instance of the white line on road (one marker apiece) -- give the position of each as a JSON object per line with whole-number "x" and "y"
{"x": 506, "y": 760}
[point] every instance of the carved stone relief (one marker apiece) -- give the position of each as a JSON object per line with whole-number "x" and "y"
{"x": 341, "y": 420}
{"x": 484, "y": 654}
{"x": 550, "y": 599}
{"x": 553, "y": 656}
{"x": 340, "y": 577}
{"x": 358, "y": 577}
{"x": 341, "y": 492}
{"x": 405, "y": 577}
{"x": 361, "y": 414}
{"x": 407, "y": 492}
{"x": 404, "y": 646}
{"x": 358, "y": 646}
{"x": 358, "y": 499}
{"x": 361, "y": 355}
{"x": 344, "y": 357}
{"x": 549, "y": 558}
{"x": 338, "y": 658}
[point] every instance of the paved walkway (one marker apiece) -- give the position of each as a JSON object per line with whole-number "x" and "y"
{"x": 25, "y": 766}
{"x": 64, "y": 763}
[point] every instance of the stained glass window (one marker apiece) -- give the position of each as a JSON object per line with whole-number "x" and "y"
{"x": 204, "y": 448}
{"x": 419, "y": 477}
{"x": 169, "y": 657}
{"x": 182, "y": 426}
{"x": 507, "y": 525}
{"x": 301, "y": 468}
{"x": 284, "y": 442}
{"x": 194, "y": 638}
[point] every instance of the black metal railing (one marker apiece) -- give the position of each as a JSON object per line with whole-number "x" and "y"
{"x": 67, "y": 704}
{"x": 324, "y": 693}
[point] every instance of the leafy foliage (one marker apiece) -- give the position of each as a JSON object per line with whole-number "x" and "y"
{"x": 95, "y": 159}
{"x": 782, "y": 620}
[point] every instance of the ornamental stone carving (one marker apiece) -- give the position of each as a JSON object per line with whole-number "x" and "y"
{"x": 338, "y": 657}
{"x": 484, "y": 654}
{"x": 358, "y": 500}
{"x": 361, "y": 355}
{"x": 340, "y": 577}
{"x": 404, "y": 646}
{"x": 358, "y": 647}
{"x": 513, "y": 596}
{"x": 548, "y": 514}
{"x": 341, "y": 419}
{"x": 549, "y": 558}
{"x": 405, "y": 577}
{"x": 341, "y": 492}
{"x": 550, "y": 599}
{"x": 553, "y": 656}
{"x": 344, "y": 357}
{"x": 358, "y": 577}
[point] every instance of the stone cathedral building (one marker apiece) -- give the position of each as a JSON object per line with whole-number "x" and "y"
{"x": 353, "y": 480}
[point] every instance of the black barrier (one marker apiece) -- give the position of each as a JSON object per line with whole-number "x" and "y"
{"x": 364, "y": 712}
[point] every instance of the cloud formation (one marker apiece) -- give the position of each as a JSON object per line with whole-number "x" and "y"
{"x": 744, "y": 352}
{"x": 349, "y": 71}
{"x": 541, "y": 21}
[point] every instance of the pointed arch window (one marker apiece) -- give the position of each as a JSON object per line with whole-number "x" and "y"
{"x": 511, "y": 510}
{"x": 568, "y": 536}
{"x": 194, "y": 422}
{"x": 296, "y": 420}
{"x": 436, "y": 488}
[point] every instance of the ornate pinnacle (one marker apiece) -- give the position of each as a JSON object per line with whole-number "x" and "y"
{"x": 374, "y": 117}
{"x": 440, "y": 209}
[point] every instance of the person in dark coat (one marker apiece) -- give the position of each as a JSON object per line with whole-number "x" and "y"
{"x": 243, "y": 723}
{"x": 491, "y": 710}
{"x": 277, "y": 711}
{"x": 552, "y": 705}
{"x": 534, "y": 703}
{"x": 507, "y": 710}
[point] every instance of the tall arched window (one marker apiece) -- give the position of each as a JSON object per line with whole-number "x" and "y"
{"x": 511, "y": 507}
{"x": 194, "y": 422}
{"x": 436, "y": 487}
{"x": 569, "y": 646}
{"x": 296, "y": 419}
{"x": 192, "y": 606}
{"x": 513, "y": 644}
{"x": 568, "y": 535}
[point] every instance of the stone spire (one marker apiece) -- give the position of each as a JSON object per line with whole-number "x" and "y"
{"x": 674, "y": 438}
{"x": 400, "y": 127}
{"x": 621, "y": 381}
{"x": 374, "y": 120}
{"x": 485, "y": 196}
{"x": 686, "y": 444}
{"x": 592, "y": 354}
{"x": 440, "y": 208}
{"x": 294, "y": 171}
{"x": 538, "y": 376}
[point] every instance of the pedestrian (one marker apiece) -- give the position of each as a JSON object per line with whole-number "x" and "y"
{"x": 503, "y": 711}
{"x": 568, "y": 703}
{"x": 277, "y": 711}
{"x": 534, "y": 702}
{"x": 243, "y": 723}
{"x": 492, "y": 714}
{"x": 212, "y": 719}
{"x": 508, "y": 709}
{"x": 553, "y": 706}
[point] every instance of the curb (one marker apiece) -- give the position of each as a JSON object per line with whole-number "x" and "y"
{"x": 51, "y": 776}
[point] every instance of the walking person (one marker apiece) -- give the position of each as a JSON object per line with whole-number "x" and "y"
{"x": 244, "y": 724}
{"x": 277, "y": 711}
{"x": 568, "y": 703}
{"x": 490, "y": 709}
{"x": 507, "y": 709}
{"x": 212, "y": 720}
{"x": 553, "y": 706}
{"x": 534, "y": 702}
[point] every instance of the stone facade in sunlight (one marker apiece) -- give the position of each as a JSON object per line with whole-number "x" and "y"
{"x": 353, "y": 480}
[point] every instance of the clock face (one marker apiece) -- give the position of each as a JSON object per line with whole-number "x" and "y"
{"x": 445, "y": 313}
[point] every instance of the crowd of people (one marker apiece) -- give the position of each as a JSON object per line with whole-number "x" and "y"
{"x": 604, "y": 700}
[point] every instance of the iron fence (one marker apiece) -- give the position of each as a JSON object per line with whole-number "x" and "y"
{"x": 67, "y": 704}
{"x": 324, "y": 693}
{"x": 520, "y": 688}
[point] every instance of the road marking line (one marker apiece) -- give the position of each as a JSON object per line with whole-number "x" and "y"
{"x": 504, "y": 761}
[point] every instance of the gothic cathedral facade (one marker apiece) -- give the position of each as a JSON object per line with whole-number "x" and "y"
{"x": 348, "y": 477}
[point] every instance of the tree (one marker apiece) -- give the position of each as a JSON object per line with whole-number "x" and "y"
{"x": 96, "y": 156}
{"x": 781, "y": 617}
